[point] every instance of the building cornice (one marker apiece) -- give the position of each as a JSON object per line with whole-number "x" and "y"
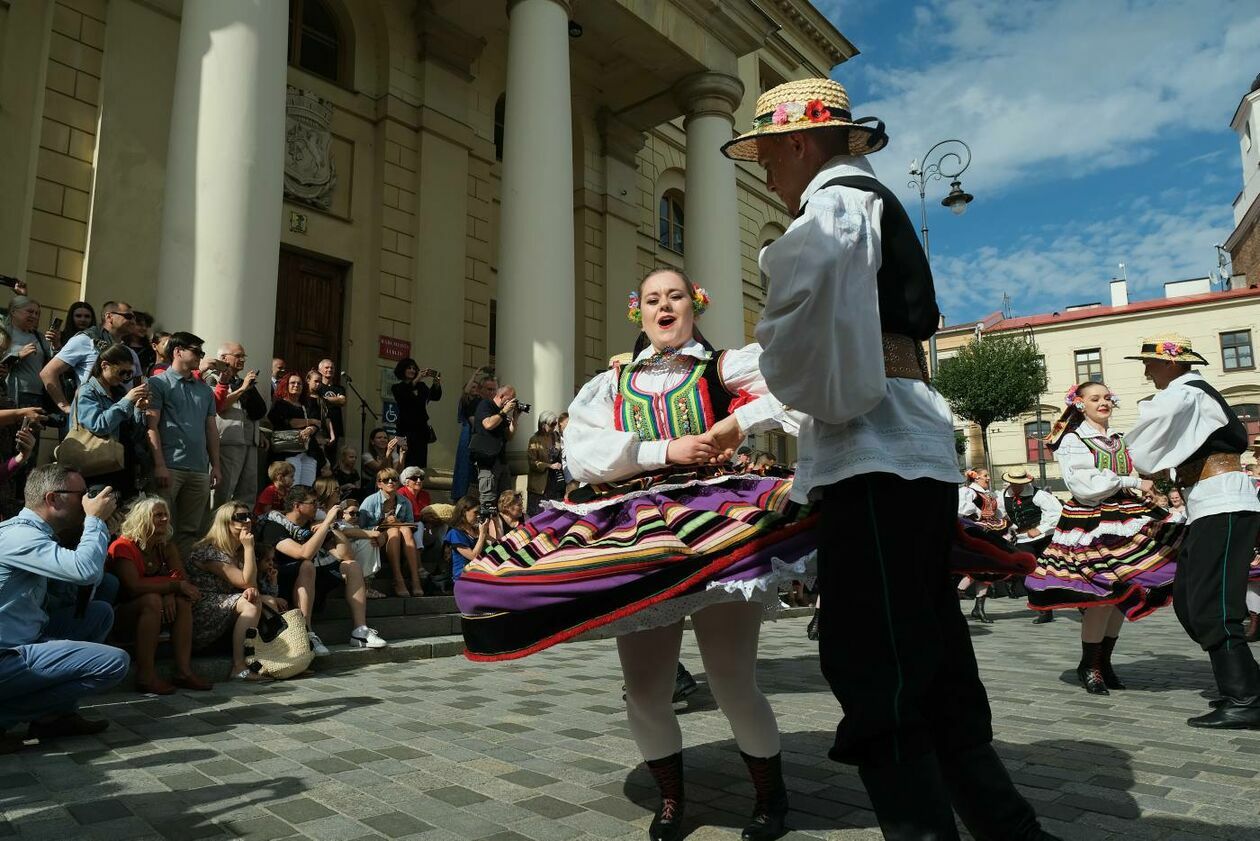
{"x": 1249, "y": 220}
{"x": 1250, "y": 98}
{"x": 741, "y": 25}
{"x": 821, "y": 32}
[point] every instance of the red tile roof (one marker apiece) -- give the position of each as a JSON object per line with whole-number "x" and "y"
{"x": 994, "y": 322}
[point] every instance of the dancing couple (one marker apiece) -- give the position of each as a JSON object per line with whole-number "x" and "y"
{"x": 658, "y": 531}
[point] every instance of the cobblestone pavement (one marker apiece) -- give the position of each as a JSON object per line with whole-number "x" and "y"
{"x": 447, "y": 749}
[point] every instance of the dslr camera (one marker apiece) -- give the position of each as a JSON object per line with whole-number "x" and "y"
{"x": 524, "y": 408}
{"x": 486, "y": 510}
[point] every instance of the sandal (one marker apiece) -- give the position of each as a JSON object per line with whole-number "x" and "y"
{"x": 375, "y": 594}
{"x": 249, "y": 675}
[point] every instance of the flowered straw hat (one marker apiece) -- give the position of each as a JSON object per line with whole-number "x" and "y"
{"x": 802, "y": 105}
{"x": 1016, "y": 477}
{"x": 1169, "y": 347}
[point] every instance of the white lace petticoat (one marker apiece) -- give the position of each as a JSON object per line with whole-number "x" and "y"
{"x": 763, "y": 589}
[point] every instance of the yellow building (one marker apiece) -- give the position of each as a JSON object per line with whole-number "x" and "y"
{"x": 1090, "y": 342}
{"x": 482, "y": 181}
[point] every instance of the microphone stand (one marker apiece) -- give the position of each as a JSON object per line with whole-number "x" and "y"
{"x": 364, "y": 411}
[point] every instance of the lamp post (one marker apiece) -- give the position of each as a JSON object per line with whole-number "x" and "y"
{"x": 1031, "y": 337}
{"x": 951, "y": 162}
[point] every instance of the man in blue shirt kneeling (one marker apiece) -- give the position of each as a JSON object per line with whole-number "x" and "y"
{"x": 49, "y": 659}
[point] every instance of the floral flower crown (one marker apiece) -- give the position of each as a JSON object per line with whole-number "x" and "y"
{"x": 1071, "y": 398}
{"x": 699, "y": 303}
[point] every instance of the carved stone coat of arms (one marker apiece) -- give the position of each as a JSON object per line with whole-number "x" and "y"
{"x": 309, "y": 171}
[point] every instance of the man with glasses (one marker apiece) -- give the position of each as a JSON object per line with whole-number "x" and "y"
{"x": 184, "y": 439}
{"x": 308, "y": 571}
{"x": 118, "y": 324}
{"x": 49, "y": 659}
{"x": 239, "y": 406}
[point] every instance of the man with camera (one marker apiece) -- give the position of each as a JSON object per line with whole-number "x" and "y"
{"x": 50, "y": 659}
{"x": 239, "y": 407}
{"x": 493, "y": 425}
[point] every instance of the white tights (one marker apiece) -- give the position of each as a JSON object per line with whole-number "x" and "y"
{"x": 727, "y": 635}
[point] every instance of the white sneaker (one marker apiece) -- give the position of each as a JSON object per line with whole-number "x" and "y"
{"x": 365, "y": 637}
{"x": 317, "y": 645}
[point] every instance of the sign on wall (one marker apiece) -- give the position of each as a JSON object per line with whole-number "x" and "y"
{"x": 394, "y": 349}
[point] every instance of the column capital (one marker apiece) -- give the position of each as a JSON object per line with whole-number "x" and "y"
{"x": 710, "y": 93}
{"x": 567, "y": 5}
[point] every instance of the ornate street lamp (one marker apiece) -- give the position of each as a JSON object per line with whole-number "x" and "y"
{"x": 951, "y": 162}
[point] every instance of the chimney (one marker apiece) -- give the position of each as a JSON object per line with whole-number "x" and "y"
{"x": 1119, "y": 293}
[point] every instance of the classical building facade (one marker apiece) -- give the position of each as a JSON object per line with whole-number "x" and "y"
{"x": 1243, "y": 243}
{"x": 478, "y": 181}
{"x": 1090, "y": 342}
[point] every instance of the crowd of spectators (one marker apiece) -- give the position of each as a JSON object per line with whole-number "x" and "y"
{"x": 191, "y": 505}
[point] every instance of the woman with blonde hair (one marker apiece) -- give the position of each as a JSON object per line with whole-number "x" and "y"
{"x": 154, "y": 591}
{"x": 223, "y": 566}
{"x": 546, "y": 475}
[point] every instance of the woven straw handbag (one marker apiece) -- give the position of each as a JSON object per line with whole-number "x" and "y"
{"x": 89, "y": 454}
{"x": 280, "y": 646}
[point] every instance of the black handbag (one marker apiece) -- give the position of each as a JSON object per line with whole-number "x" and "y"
{"x": 288, "y": 442}
{"x": 432, "y": 435}
{"x": 253, "y": 404}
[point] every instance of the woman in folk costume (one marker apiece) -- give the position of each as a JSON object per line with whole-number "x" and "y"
{"x": 978, "y": 503}
{"x": 656, "y": 532}
{"x": 1114, "y": 552}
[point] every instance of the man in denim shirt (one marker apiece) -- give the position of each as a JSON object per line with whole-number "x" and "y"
{"x": 185, "y": 439}
{"x": 48, "y": 660}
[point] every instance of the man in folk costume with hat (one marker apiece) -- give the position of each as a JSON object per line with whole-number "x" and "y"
{"x": 851, "y": 301}
{"x": 1187, "y": 427}
{"x": 1033, "y": 514}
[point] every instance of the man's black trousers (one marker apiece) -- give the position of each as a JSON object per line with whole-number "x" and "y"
{"x": 892, "y": 641}
{"x": 1210, "y": 590}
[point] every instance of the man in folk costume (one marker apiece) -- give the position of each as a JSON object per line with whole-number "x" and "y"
{"x": 851, "y": 301}
{"x": 1187, "y": 427}
{"x": 1033, "y": 514}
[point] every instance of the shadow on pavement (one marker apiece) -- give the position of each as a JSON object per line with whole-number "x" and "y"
{"x": 1077, "y": 788}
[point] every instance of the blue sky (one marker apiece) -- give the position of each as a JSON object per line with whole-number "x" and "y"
{"x": 1099, "y": 131}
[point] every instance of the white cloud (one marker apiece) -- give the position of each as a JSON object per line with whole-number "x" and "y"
{"x": 1167, "y": 238}
{"x": 1065, "y": 88}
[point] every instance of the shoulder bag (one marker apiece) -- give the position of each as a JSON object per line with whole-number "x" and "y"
{"x": 88, "y": 453}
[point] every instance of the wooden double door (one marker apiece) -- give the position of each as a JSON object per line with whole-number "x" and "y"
{"x": 310, "y": 303}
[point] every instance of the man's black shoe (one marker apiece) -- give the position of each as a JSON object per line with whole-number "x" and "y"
{"x": 70, "y": 724}
{"x": 684, "y": 686}
{"x": 1228, "y": 714}
{"x": 1043, "y": 617}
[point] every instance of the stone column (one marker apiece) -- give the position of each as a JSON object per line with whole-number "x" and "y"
{"x": 224, "y": 175}
{"x": 622, "y": 217}
{"x": 536, "y": 274}
{"x": 711, "y": 244}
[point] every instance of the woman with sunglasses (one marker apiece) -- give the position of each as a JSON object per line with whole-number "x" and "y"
{"x": 223, "y": 566}
{"x": 389, "y": 513}
{"x": 106, "y": 407}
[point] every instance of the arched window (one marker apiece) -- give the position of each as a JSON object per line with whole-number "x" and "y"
{"x": 1033, "y": 432}
{"x": 1249, "y": 414}
{"x": 315, "y": 41}
{"x": 500, "y": 108}
{"x": 671, "y": 236}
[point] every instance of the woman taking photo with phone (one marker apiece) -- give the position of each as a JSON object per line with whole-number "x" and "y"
{"x": 106, "y": 408}
{"x": 413, "y": 395}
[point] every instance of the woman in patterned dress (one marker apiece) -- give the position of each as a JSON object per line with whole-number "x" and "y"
{"x": 978, "y": 503}
{"x": 1114, "y": 552}
{"x": 659, "y": 531}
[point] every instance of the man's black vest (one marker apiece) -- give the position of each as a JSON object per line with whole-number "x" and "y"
{"x": 1230, "y": 438}
{"x": 907, "y": 296}
{"x": 1022, "y": 511}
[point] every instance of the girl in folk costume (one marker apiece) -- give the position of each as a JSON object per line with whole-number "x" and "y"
{"x": 978, "y": 503}
{"x": 1114, "y": 552}
{"x": 656, "y": 532}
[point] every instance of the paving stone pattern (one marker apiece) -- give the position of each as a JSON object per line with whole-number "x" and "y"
{"x": 539, "y": 749}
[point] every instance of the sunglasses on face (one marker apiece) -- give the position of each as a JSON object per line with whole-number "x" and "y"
{"x": 389, "y": 482}
{"x": 126, "y": 316}
{"x": 195, "y": 351}
{"x": 241, "y": 517}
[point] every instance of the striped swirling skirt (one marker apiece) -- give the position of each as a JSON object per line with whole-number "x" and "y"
{"x": 1121, "y": 552}
{"x": 632, "y": 561}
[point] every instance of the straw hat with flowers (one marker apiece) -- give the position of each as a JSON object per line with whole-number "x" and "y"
{"x": 804, "y": 105}
{"x": 1016, "y": 477}
{"x": 1169, "y": 347}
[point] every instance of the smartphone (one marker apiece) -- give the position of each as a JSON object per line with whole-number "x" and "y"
{"x": 26, "y": 424}
{"x": 10, "y": 282}
{"x": 55, "y": 324}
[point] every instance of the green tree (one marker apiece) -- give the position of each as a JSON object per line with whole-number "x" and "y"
{"x": 992, "y": 379}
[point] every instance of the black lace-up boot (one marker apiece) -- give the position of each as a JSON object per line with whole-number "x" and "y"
{"x": 668, "y": 823}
